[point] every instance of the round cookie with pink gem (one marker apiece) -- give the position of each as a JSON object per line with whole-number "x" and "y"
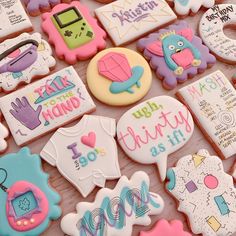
{"x": 119, "y": 76}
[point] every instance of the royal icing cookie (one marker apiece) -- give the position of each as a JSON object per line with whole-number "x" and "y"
{"x": 234, "y": 172}
{"x": 115, "y": 211}
{"x": 211, "y": 29}
{"x": 45, "y": 105}
{"x": 184, "y": 7}
{"x": 81, "y": 153}
{"x": 123, "y": 76}
{"x": 28, "y": 204}
{"x": 74, "y": 32}
{"x": 127, "y": 20}
{"x": 212, "y": 101}
{"x": 153, "y": 129}
{"x": 205, "y": 193}
{"x": 14, "y": 19}
{"x": 3, "y": 135}
{"x": 35, "y": 7}
{"x": 175, "y": 53}
{"x": 24, "y": 58}
{"x": 165, "y": 228}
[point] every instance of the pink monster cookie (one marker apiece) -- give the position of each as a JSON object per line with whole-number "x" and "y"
{"x": 165, "y": 228}
{"x": 176, "y": 54}
{"x": 74, "y": 32}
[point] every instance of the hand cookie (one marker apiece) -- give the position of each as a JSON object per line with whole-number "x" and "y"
{"x": 28, "y": 204}
{"x": 115, "y": 211}
{"x": 205, "y": 193}
{"x": 175, "y": 54}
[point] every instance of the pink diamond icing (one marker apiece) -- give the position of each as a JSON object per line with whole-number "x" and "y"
{"x": 115, "y": 67}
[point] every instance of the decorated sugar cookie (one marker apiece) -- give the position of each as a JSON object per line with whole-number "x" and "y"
{"x": 28, "y": 204}
{"x": 24, "y": 58}
{"x": 205, "y": 193}
{"x": 176, "y": 54}
{"x": 118, "y": 76}
{"x": 82, "y": 153}
{"x": 45, "y": 105}
{"x": 74, "y": 32}
{"x": 153, "y": 129}
{"x": 212, "y": 101}
{"x": 115, "y": 211}
{"x": 211, "y": 29}
{"x": 14, "y": 19}
{"x": 127, "y": 20}
{"x": 234, "y": 172}
{"x": 165, "y": 228}
{"x": 3, "y": 135}
{"x": 35, "y": 7}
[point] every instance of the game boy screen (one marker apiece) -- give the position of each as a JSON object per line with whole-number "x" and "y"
{"x": 24, "y": 204}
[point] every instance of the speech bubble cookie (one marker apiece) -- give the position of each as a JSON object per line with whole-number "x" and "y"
{"x": 115, "y": 211}
{"x": 152, "y": 130}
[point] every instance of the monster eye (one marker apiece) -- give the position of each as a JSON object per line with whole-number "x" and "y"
{"x": 172, "y": 47}
{"x": 180, "y": 43}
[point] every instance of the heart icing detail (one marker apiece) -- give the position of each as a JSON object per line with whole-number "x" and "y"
{"x": 89, "y": 140}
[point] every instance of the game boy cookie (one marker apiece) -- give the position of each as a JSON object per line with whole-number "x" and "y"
{"x": 115, "y": 211}
{"x": 212, "y": 101}
{"x": 176, "y": 54}
{"x": 82, "y": 153}
{"x": 45, "y": 105}
{"x": 35, "y": 7}
{"x": 28, "y": 204}
{"x": 205, "y": 193}
{"x": 3, "y": 135}
{"x": 74, "y": 32}
{"x": 211, "y": 29}
{"x": 127, "y": 20}
{"x": 185, "y": 7}
{"x": 14, "y": 19}
{"x": 123, "y": 76}
{"x": 165, "y": 228}
{"x": 153, "y": 129}
{"x": 24, "y": 58}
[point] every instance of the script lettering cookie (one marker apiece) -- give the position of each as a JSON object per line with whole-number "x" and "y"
{"x": 14, "y": 19}
{"x": 127, "y": 20}
{"x": 24, "y": 58}
{"x": 3, "y": 135}
{"x": 212, "y": 101}
{"x": 175, "y": 54}
{"x": 206, "y": 194}
{"x": 115, "y": 211}
{"x": 211, "y": 29}
{"x": 28, "y": 204}
{"x": 165, "y": 228}
{"x": 153, "y": 129}
{"x": 119, "y": 76}
{"x": 82, "y": 152}
{"x": 45, "y": 105}
{"x": 74, "y": 32}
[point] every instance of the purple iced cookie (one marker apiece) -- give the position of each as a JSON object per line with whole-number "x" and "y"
{"x": 176, "y": 54}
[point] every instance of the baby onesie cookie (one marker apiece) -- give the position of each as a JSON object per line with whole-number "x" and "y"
{"x": 45, "y": 105}
{"x": 14, "y": 19}
{"x": 153, "y": 129}
{"x": 115, "y": 211}
{"x": 74, "y": 32}
{"x": 212, "y": 101}
{"x": 205, "y": 193}
{"x": 211, "y": 29}
{"x": 176, "y": 53}
{"x": 24, "y": 58}
{"x": 165, "y": 228}
{"x": 119, "y": 76}
{"x": 35, "y": 7}
{"x": 82, "y": 153}
{"x": 3, "y": 135}
{"x": 28, "y": 204}
{"x": 127, "y": 20}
